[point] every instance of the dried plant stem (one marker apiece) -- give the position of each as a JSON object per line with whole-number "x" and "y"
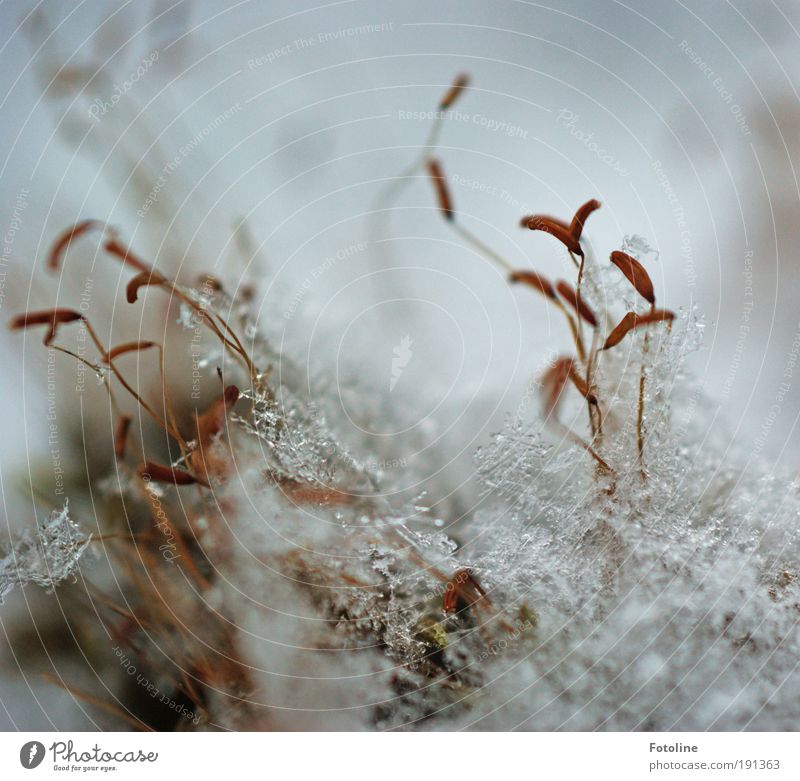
{"x": 596, "y": 427}
{"x": 167, "y": 403}
{"x": 214, "y": 321}
{"x": 209, "y": 318}
{"x": 396, "y": 186}
{"x": 578, "y": 286}
{"x": 640, "y": 434}
{"x": 170, "y": 429}
{"x": 108, "y": 707}
{"x": 588, "y": 448}
{"x": 485, "y": 250}
{"x": 576, "y": 334}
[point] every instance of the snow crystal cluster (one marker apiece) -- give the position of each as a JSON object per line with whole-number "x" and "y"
{"x": 48, "y": 558}
{"x": 667, "y": 592}
{"x": 659, "y": 594}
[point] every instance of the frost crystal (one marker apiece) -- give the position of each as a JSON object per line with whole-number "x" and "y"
{"x": 48, "y": 558}
{"x": 639, "y": 247}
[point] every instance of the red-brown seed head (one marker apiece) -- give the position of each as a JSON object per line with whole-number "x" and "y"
{"x": 142, "y": 279}
{"x": 539, "y": 222}
{"x": 49, "y": 317}
{"x": 579, "y": 220}
{"x": 62, "y": 243}
{"x": 128, "y": 347}
{"x": 570, "y": 295}
{"x": 635, "y": 274}
{"x": 534, "y": 280}
{"x": 157, "y": 473}
{"x": 553, "y": 382}
{"x": 440, "y": 185}
{"x": 121, "y": 436}
{"x": 456, "y": 88}
{"x": 632, "y": 321}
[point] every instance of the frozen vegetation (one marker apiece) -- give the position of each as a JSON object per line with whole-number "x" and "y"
{"x": 619, "y": 572}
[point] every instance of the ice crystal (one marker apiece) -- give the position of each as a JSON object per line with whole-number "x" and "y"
{"x": 639, "y": 247}
{"x": 47, "y": 558}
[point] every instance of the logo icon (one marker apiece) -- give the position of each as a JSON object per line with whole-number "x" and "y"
{"x": 402, "y": 355}
{"x": 31, "y": 754}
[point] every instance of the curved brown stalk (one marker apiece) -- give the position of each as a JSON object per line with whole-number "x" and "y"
{"x": 98, "y": 702}
{"x": 577, "y": 338}
{"x": 543, "y": 285}
{"x": 595, "y": 413}
{"x": 481, "y": 247}
{"x": 149, "y": 276}
{"x": 589, "y": 449}
{"x": 553, "y": 383}
{"x": 129, "y": 347}
{"x": 396, "y": 185}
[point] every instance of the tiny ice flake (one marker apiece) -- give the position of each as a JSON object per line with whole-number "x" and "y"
{"x": 48, "y": 558}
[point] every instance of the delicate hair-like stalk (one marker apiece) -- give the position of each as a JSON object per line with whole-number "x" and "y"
{"x": 158, "y": 473}
{"x": 574, "y": 299}
{"x": 553, "y": 382}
